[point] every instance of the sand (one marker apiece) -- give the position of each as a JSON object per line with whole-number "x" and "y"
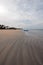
{"x": 16, "y": 48}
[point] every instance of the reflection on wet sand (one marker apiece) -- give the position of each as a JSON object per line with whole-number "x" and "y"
{"x": 16, "y": 48}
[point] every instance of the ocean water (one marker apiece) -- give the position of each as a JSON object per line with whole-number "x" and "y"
{"x": 35, "y": 33}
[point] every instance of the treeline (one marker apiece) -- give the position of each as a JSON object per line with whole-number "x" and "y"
{"x": 6, "y": 27}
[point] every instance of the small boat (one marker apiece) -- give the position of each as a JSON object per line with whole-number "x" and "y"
{"x": 26, "y": 30}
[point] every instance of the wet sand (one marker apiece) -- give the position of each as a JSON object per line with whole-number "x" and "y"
{"x": 16, "y": 48}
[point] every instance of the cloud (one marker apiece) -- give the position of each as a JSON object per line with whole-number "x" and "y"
{"x": 22, "y": 13}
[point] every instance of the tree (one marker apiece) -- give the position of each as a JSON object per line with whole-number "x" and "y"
{"x": 2, "y": 27}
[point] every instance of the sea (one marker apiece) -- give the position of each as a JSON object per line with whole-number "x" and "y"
{"x": 35, "y": 33}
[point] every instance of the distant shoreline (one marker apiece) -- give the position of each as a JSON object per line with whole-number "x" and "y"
{"x": 3, "y": 27}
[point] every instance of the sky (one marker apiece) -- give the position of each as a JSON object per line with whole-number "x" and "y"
{"x": 22, "y": 13}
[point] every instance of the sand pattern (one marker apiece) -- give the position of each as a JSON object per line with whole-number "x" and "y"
{"x": 16, "y": 48}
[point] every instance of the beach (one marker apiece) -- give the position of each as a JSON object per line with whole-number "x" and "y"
{"x": 19, "y": 48}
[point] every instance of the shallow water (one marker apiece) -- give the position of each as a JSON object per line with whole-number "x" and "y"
{"x": 35, "y": 33}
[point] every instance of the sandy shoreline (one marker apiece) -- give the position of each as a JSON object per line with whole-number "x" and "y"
{"x": 16, "y": 48}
